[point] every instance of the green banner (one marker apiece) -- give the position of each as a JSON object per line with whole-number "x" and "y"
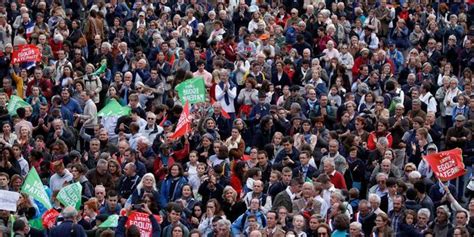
{"x": 192, "y": 90}
{"x": 34, "y": 187}
{"x": 111, "y": 222}
{"x": 71, "y": 195}
{"x": 113, "y": 108}
{"x": 16, "y": 103}
{"x": 36, "y": 223}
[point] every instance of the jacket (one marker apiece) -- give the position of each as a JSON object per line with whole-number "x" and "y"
{"x": 69, "y": 229}
{"x": 167, "y": 195}
{"x": 241, "y": 224}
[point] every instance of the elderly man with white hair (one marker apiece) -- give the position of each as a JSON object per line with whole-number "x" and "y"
{"x": 69, "y": 214}
{"x": 151, "y": 129}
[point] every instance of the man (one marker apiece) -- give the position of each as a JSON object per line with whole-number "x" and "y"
{"x": 68, "y": 226}
{"x": 21, "y": 228}
{"x": 223, "y": 228}
{"x": 272, "y": 229}
{"x": 289, "y": 155}
{"x": 60, "y": 64}
{"x": 173, "y": 219}
{"x": 131, "y": 157}
{"x": 226, "y": 92}
{"x": 286, "y": 197}
{"x": 4, "y": 181}
{"x": 386, "y": 202}
{"x": 365, "y": 216}
{"x": 337, "y": 179}
{"x": 304, "y": 169}
{"x": 89, "y": 117}
{"x": 111, "y": 206}
{"x": 462, "y": 218}
{"x": 423, "y": 199}
{"x": 242, "y": 222}
{"x": 21, "y": 112}
{"x": 60, "y": 132}
{"x": 99, "y": 193}
{"x": 333, "y": 154}
{"x": 396, "y": 215}
{"x": 307, "y": 205}
{"x": 264, "y": 165}
{"x": 458, "y": 135}
{"x": 381, "y": 187}
{"x": 61, "y": 177}
{"x": 128, "y": 182}
{"x": 45, "y": 84}
{"x": 427, "y": 98}
{"x": 281, "y": 185}
{"x": 265, "y": 201}
{"x": 100, "y": 175}
{"x": 151, "y": 129}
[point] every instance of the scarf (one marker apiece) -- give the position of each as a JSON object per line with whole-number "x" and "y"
{"x": 226, "y": 95}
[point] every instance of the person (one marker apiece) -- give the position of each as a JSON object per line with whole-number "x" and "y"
{"x": 172, "y": 186}
{"x": 68, "y": 227}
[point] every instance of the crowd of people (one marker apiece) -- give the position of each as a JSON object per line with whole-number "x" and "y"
{"x": 317, "y": 118}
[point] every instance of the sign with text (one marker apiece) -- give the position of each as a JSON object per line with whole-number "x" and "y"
{"x": 142, "y": 221}
{"x": 71, "y": 195}
{"x": 8, "y": 200}
{"x": 446, "y": 165}
{"x": 192, "y": 90}
{"x": 49, "y": 218}
{"x": 34, "y": 187}
{"x": 26, "y": 53}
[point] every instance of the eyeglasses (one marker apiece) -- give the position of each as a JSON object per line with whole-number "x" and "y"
{"x": 379, "y": 102}
{"x": 150, "y": 118}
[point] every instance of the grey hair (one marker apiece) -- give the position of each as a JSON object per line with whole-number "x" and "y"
{"x": 382, "y": 141}
{"x": 69, "y": 213}
{"x": 224, "y": 222}
{"x": 424, "y": 211}
{"x": 330, "y": 162}
{"x": 356, "y": 225}
{"x": 102, "y": 162}
{"x": 144, "y": 140}
{"x": 380, "y": 175}
{"x": 374, "y": 197}
{"x": 414, "y": 175}
{"x": 107, "y": 45}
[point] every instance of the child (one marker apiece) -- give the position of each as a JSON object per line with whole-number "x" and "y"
{"x": 334, "y": 97}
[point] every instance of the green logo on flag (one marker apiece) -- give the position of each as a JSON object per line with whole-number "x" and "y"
{"x": 71, "y": 195}
{"x": 192, "y": 89}
{"x": 16, "y": 103}
{"x": 34, "y": 187}
{"x": 112, "y": 222}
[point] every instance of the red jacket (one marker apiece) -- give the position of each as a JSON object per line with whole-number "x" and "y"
{"x": 236, "y": 184}
{"x": 338, "y": 180}
{"x": 372, "y": 140}
{"x": 45, "y": 85}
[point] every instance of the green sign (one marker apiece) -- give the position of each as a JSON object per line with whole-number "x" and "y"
{"x": 113, "y": 108}
{"x": 34, "y": 187}
{"x": 16, "y": 103}
{"x": 192, "y": 90}
{"x": 71, "y": 195}
{"x": 112, "y": 222}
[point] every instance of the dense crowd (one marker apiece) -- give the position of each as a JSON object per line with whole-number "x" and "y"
{"x": 317, "y": 118}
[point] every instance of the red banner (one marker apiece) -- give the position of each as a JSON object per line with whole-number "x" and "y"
{"x": 26, "y": 53}
{"x": 446, "y": 165}
{"x": 142, "y": 221}
{"x": 49, "y": 218}
{"x": 184, "y": 123}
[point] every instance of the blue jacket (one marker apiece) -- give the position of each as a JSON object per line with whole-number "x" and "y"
{"x": 65, "y": 228}
{"x": 167, "y": 195}
{"x": 239, "y": 225}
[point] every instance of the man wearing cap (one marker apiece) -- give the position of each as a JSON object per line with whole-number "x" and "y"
{"x": 261, "y": 109}
{"x": 294, "y": 97}
{"x": 458, "y": 135}
{"x": 265, "y": 46}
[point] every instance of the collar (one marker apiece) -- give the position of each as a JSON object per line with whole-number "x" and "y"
{"x": 292, "y": 196}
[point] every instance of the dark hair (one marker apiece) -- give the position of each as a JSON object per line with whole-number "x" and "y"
{"x": 341, "y": 222}
{"x": 420, "y": 186}
{"x": 112, "y": 193}
{"x": 19, "y": 225}
{"x": 21, "y": 112}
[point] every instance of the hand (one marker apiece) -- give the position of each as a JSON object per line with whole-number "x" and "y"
{"x": 453, "y": 139}
{"x": 413, "y": 146}
{"x": 40, "y": 121}
{"x": 146, "y": 209}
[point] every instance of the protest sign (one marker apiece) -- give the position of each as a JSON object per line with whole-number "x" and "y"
{"x": 49, "y": 218}
{"x": 184, "y": 123}
{"x": 192, "y": 90}
{"x": 26, "y": 53}
{"x": 34, "y": 187}
{"x": 8, "y": 200}
{"x": 446, "y": 165}
{"x": 113, "y": 108}
{"x": 71, "y": 195}
{"x": 142, "y": 221}
{"x": 112, "y": 222}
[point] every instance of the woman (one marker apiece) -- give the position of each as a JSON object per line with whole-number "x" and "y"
{"x": 213, "y": 209}
{"x": 196, "y": 216}
{"x": 382, "y": 226}
{"x": 248, "y": 97}
{"x": 112, "y": 94}
{"x": 231, "y": 206}
{"x": 7, "y": 138}
{"x": 8, "y": 163}
{"x": 367, "y": 102}
{"x": 341, "y": 226}
{"x": 177, "y": 231}
{"x": 461, "y": 231}
{"x": 244, "y": 131}
{"x": 187, "y": 200}
{"x": 205, "y": 148}
{"x": 355, "y": 230}
{"x": 116, "y": 172}
{"x": 448, "y": 102}
{"x": 89, "y": 215}
{"x": 279, "y": 77}
{"x": 381, "y": 130}
{"x": 305, "y": 136}
{"x": 235, "y": 141}
{"x": 25, "y": 207}
{"x": 323, "y": 230}
{"x": 16, "y": 181}
{"x": 78, "y": 175}
{"x": 147, "y": 185}
{"x": 237, "y": 178}
{"x": 92, "y": 82}
{"x": 172, "y": 186}
{"x": 66, "y": 80}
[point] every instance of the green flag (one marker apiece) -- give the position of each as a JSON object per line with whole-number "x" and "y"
{"x": 34, "y": 187}
{"x": 36, "y": 223}
{"x": 12, "y": 221}
{"x": 112, "y": 222}
{"x": 15, "y": 103}
{"x": 113, "y": 108}
{"x": 71, "y": 195}
{"x": 192, "y": 90}
{"x": 101, "y": 69}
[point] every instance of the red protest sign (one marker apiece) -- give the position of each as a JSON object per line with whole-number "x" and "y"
{"x": 142, "y": 221}
{"x": 26, "y": 53}
{"x": 446, "y": 165}
{"x": 49, "y": 218}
